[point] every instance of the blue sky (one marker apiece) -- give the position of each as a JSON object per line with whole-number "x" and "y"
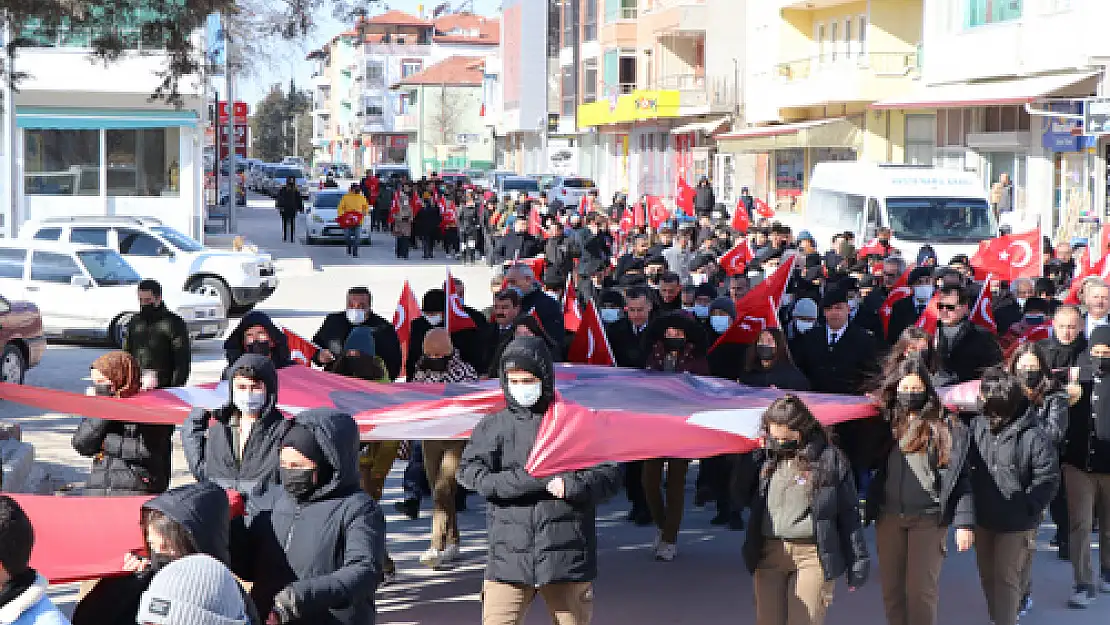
{"x": 290, "y": 61}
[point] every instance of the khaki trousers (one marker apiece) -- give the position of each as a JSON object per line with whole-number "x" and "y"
{"x": 1001, "y": 557}
{"x": 374, "y": 464}
{"x": 668, "y": 515}
{"x": 569, "y": 603}
{"x": 911, "y": 551}
{"x": 1087, "y": 492}
{"x": 441, "y": 462}
{"x": 790, "y": 585}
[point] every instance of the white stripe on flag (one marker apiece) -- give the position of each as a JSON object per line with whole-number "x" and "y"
{"x": 741, "y": 421}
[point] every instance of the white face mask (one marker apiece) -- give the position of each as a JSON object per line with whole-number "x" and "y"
{"x": 853, "y": 305}
{"x": 698, "y": 279}
{"x": 803, "y": 326}
{"x": 356, "y": 316}
{"x": 701, "y": 312}
{"x": 435, "y": 320}
{"x": 526, "y": 394}
{"x": 923, "y": 292}
{"x": 249, "y": 402}
{"x": 720, "y": 323}
{"x": 610, "y": 315}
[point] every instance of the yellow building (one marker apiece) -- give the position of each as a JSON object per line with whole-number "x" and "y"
{"x": 813, "y": 68}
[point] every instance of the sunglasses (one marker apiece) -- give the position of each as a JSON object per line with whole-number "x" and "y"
{"x": 948, "y": 307}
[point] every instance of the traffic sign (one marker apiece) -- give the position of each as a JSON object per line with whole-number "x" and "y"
{"x": 239, "y": 109}
{"x": 1096, "y": 116}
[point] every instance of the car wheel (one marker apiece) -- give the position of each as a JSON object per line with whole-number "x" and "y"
{"x": 213, "y": 287}
{"x": 12, "y": 365}
{"x": 117, "y": 332}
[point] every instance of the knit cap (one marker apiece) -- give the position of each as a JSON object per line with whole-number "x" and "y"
{"x": 195, "y": 590}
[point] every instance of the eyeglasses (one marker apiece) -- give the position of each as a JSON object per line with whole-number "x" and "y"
{"x": 948, "y": 307}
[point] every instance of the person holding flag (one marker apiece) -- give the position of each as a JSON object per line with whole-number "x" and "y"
{"x": 337, "y": 327}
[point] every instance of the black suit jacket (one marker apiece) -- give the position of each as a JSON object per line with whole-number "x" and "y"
{"x": 629, "y": 348}
{"x": 843, "y": 368}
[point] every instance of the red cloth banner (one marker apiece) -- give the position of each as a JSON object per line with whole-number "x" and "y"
{"x": 591, "y": 345}
{"x": 1010, "y": 256}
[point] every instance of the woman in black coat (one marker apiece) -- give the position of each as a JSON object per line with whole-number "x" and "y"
{"x": 128, "y": 458}
{"x": 805, "y": 529}
{"x": 768, "y": 364}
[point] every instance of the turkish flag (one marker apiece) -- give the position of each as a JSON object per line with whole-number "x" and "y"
{"x": 684, "y": 196}
{"x": 1010, "y": 256}
{"x": 628, "y": 220}
{"x": 930, "y": 316}
{"x": 740, "y": 221}
{"x": 874, "y": 248}
{"x": 1032, "y": 335}
{"x": 407, "y": 310}
{"x": 394, "y": 207}
{"x": 982, "y": 314}
{"x": 301, "y": 349}
{"x": 457, "y": 318}
{"x": 572, "y": 310}
{"x": 735, "y": 260}
{"x": 900, "y": 290}
{"x": 657, "y": 213}
{"x": 759, "y": 309}
{"x": 590, "y": 345}
{"x": 763, "y": 209}
{"x": 1083, "y": 270}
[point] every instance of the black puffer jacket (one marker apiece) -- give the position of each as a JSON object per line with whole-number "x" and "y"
{"x": 1087, "y": 444}
{"x": 841, "y": 546}
{"x": 1052, "y": 416}
{"x": 957, "y": 504}
{"x": 329, "y": 550}
{"x": 159, "y": 341}
{"x": 970, "y": 353}
{"x": 534, "y": 538}
{"x": 1014, "y": 473}
{"x": 128, "y": 458}
{"x": 233, "y": 345}
{"x": 206, "y": 436}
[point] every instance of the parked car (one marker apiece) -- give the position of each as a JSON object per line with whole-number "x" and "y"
{"x": 85, "y": 292}
{"x": 496, "y": 176}
{"x": 519, "y": 185}
{"x": 569, "y": 190}
{"x": 320, "y": 218}
{"x": 281, "y": 175}
{"x": 391, "y": 171}
{"x": 22, "y": 337}
{"x": 239, "y": 280}
{"x": 456, "y": 178}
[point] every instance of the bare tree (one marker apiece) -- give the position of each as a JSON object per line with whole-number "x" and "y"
{"x": 446, "y": 119}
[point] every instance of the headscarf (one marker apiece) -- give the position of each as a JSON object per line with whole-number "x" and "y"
{"x": 122, "y": 370}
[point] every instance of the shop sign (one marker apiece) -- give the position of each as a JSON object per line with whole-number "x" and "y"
{"x": 1065, "y": 134}
{"x": 640, "y": 105}
{"x": 1096, "y": 116}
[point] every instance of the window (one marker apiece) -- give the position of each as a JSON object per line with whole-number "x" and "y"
{"x": 49, "y": 234}
{"x": 11, "y": 263}
{"x": 108, "y": 268}
{"x": 833, "y": 38}
{"x": 921, "y": 139}
{"x": 144, "y": 163}
{"x": 408, "y": 68}
{"x": 91, "y": 236}
{"x": 982, "y": 12}
{"x": 848, "y": 43}
{"x": 589, "y": 81}
{"x": 819, "y": 37}
{"x": 861, "y": 34}
{"x": 375, "y": 73}
{"x": 374, "y": 107}
{"x": 952, "y": 127}
{"x": 569, "y": 23}
{"x": 568, "y": 91}
{"x": 50, "y": 267}
{"x": 135, "y": 243}
{"x": 62, "y": 162}
{"x": 589, "y": 21}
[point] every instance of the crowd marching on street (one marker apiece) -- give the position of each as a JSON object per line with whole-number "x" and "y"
{"x": 692, "y": 290}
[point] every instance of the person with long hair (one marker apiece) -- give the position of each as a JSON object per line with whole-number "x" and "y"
{"x": 921, "y": 487}
{"x": 805, "y": 528}
{"x": 768, "y": 364}
{"x": 912, "y": 341}
{"x": 1015, "y": 473}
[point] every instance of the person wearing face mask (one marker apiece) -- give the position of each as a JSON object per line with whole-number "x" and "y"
{"x": 768, "y": 364}
{"x": 186, "y": 520}
{"x": 467, "y": 341}
{"x": 337, "y": 327}
{"x": 803, "y": 319}
{"x": 236, "y": 446}
{"x": 1015, "y": 473}
{"x": 128, "y": 458}
{"x": 805, "y": 528}
{"x": 257, "y": 334}
{"x": 704, "y": 295}
{"x": 23, "y": 592}
{"x": 906, "y": 311}
{"x": 542, "y": 539}
{"x": 964, "y": 350}
{"x": 317, "y": 543}
{"x": 921, "y": 487}
{"x": 727, "y": 359}
{"x": 611, "y": 308}
{"x": 158, "y": 339}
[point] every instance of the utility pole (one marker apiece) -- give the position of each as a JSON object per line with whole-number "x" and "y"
{"x": 233, "y": 178}
{"x": 8, "y": 168}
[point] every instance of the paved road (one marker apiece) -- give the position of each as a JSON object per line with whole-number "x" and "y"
{"x": 706, "y": 584}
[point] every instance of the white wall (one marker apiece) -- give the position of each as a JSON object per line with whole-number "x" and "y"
{"x": 761, "y": 37}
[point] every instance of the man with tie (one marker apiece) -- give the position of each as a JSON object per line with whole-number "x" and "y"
{"x": 506, "y": 308}
{"x": 836, "y": 356}
{"x": 626, "y": 336}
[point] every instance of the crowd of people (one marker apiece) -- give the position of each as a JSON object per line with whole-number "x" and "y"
{"x": 307, "y": 535}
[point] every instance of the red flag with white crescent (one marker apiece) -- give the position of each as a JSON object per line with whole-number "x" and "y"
{"x": 763, "y": 209}
{"x": 982, "y": 314}
{"x": 1032, "y": 335}
{"x": 900, "y": 290}
{"x": 456, "y": 317}
{"x": 759, "y": 309}
{"x": 572, "y": 309}
{"x": 740, "y": 220}
{"x": 301, "y": 349}
{"x": 930, "y": 316}
{"x": 736, "y": 260}
{"x": 590, "y": 345}
{"x": 1010, "y": 256}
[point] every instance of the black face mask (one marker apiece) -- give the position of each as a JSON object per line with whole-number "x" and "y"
{"x": 438, "y": 365}
{"x": 1030, "y": 378}
{"x": 147, "y": 310}
{"x": 783, "y": 448}
{"x": 765, "y": 352}
{"x": 262, "y": 348}
{"x": 104, "y": 390}
{"x": 299, "y": 483}
{"x": 674, "y": 345}
{"x": 1101, "y": 363}
{"x": 884, "y": 242}
{"x": 912, "y": 400}
{"x": 158, "y": 561}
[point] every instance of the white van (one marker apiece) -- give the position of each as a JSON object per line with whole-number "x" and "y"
{"x": 947, "y": 209}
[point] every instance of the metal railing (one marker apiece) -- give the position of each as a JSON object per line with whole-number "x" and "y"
{"x": 78, "y": 37}
{"x": 876, "y": 63}
{"x": 392, "y": 49}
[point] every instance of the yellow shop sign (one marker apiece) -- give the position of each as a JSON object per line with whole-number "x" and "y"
{"x": 630, "y": 107}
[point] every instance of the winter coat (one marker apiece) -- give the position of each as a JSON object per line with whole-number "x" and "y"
{"x": 333, "y": 334}
{"x": 548, "y": 310}
{"x": 595, "y": 252}
{"x": 458, "y": 372}
{"x": 841, "y": 546}
{"x": 842, "y": 368}
{"x": 329, "y": 550}
{"x": 1014, "y": 473}
{"x": 402, "y": 222}
{"x": 517, "y": 245}
{"x": 426, "y": 221}
{"x": 1052, "y": 416}
{"x": 559, "y": 255}
{"x": 629, "y": 348}
{"x": 128, "y": 458}
{"x": 289, "y": 201}
{"x": 727, "y": 361}
{"x": 279, "y": 351}
{"x": 468, "y": 342}
{"x": 534, "y": 538}
{"x": 1087, "y": 439}
{"x": 31, "y": 606}
{"x": 704, "y": 200}
{"x": 160, "y": 342}
{"x": 957, "y": 504}
{"x": 972, "y": 352}
{"x": 692, "y": 359}
{"x": 1059, "y": 356}
{"x": 783, "y": 375}
{"x": 207, "y": 438}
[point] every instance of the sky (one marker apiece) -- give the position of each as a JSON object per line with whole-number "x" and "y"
{"x": 290, "y": 60}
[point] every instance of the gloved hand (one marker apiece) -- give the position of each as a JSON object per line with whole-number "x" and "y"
{"x": 285, "y": 608}
{"x": 857, "y": 575}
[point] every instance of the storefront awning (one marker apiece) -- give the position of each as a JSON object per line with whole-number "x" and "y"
{"x": 838, "y": 132}
{"x": 706, "y": 127}
{"x": 57, "y": 118}
{"x": 995, "y": 93}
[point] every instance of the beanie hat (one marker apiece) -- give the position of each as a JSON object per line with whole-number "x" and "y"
{"x": 705, "y": 290}
{"x": 361, "y": 339}
{"x": 303, "y": 440}
{"x": 16, "y": 536}
{"x": 805, "y": 307}
{"x": 723, "y": 303}
{"x": 833, "y": 297}
{"x": 195, "y": 590}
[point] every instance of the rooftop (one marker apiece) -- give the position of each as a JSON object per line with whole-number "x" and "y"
{"x": 397, "y": 18}
{"x": 455, "y": 70}
{"x": 467, "y": 28}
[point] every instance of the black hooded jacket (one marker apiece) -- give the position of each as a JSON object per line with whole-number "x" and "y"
{"x": 233, "y": 345}
{"x": 159, "y": 341}
{"x": 207, "y": 438}
{"x": 128, "y": 458}
{"x": 328, "y": 550}
{"x": 1014, "y": 473}
{"x": 534, "y": 538}
{"x": 1087, "y": 438}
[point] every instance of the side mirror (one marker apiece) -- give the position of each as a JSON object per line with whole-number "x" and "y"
{"x": 81, "y": 281}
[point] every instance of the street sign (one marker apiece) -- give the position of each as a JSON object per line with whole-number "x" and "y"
{"x": 240, "y": 141}
{"x": 1096, "y": 116}
{"x": 239, "y": 109}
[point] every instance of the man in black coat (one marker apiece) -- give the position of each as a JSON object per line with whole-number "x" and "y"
{"x": 542, "y": 535}
{"x": 506, "y": 308}
{"x": 704, "y": 200}
{"x": 337, "y": 326}
{"x": 468, "y": 341}
{"x": 257, "y": 334}
{"x": 158, "y": 338}
{"x": 1067, "y": 343}
{"x": 626, "y": 335}
{"x": 559, "y": 253}
{"x": 318, "y": 543}
{"x": 906, "y": 311}
{"x": 964, "y": 349}
{"x": 289, "y": 203}
{"x": 518, "y": 243}
{"x": 595, "y": 246}
{"x": 836, "y": 356}
{"x": 532, "y": 298}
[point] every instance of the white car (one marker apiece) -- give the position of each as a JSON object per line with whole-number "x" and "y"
{"x": 569, "y": 190}
{"x": 85, "y": 292}
{"x": 321, "y": 215}
{"x": 238, "y": 279}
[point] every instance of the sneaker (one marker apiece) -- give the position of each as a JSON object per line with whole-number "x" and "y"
{"x": 451, "y": 553}
{"x": 658, "y": 540}
{"x": 432, "y": 558}
{"x": 666, "y": 552}
{"x": 1026, "y": 605}
{"x": 1081, "y": 599}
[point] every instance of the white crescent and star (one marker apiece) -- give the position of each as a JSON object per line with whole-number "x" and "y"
{"x": 400, "y": 317}
{"x": 1023, "y": 246}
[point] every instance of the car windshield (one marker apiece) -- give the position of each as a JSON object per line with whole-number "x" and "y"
{"x": 520, "y": 184}
{"x": 326, "y": 200}
{"x": 107, "y": 267}
{"x": 181, "y": 241}
{"x": 578, "y": 183}
{"x": 941, "y": 219}
{"x": 288, "y": 172}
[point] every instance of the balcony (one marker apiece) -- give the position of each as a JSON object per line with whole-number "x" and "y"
{"x": 674, "y": 16}
{"x": 406, "y": 122}
{"x": 865, "y": 77}
{"x": 619, "y": 27}
{"x": 396, "y": 49}
{"x": 690, "y": 87}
